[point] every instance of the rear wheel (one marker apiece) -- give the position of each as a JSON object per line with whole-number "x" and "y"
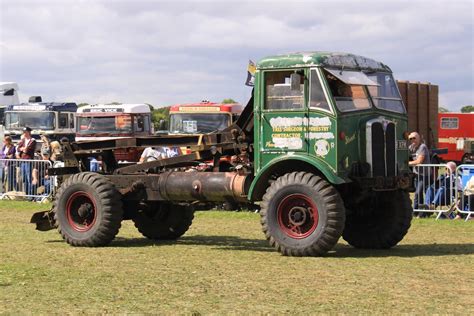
{"x": 163, "y": 220}
{"x": 381, "y": 222}
{"x": 302, "y": 215}
{"x": 88, "y": 210}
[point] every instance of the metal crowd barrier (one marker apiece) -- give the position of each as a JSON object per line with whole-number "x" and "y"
{"x": 436, "y": 190}
{"x": 465, "y": 197}
{"x": 26, "y": 179}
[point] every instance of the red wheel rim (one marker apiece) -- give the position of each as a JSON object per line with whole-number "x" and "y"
{"x": 81, "y": 211}
{"x": 297, "y": 216}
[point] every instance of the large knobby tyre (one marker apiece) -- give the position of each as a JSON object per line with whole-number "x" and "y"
{"x": 88, "y": 210}
{"x": 302, "y": 215}
{"x": 163, "y": 220}
{"x": 382, "y": 223}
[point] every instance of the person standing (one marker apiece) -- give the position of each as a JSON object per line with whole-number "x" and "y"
{"x": 7, "y": 169}
{"x": 419, "y": 155}
{"x": 26, "y": 150}
{"x": 40, "y": 176}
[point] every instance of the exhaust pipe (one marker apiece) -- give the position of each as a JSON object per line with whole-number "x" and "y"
{"x": 203, "y": 186}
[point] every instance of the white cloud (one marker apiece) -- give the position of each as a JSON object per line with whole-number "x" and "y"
{"x": 166, "y": 52}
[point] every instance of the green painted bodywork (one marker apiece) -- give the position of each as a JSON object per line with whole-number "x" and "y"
{"x": 329, "y": 141}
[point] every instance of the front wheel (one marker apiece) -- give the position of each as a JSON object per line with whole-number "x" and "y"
{"x": 88, "y": 210}
{"x": 381, "y": 222}
{"x": 302, "y": 215}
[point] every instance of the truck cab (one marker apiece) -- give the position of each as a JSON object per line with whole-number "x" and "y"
{"x": 109, "y": 121}
{"x": 201, "y": 118}
{"x": 8, "y": 96}
{"x": 341, "y": 114}
{"x": 53, "y": 119}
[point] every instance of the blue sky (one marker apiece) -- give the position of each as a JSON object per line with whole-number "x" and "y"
{"x": 167, "y": 52}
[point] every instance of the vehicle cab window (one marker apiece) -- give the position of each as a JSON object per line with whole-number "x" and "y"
{"x": 71, "y": 120}
{"x": 141, "y": 123}
{"x": 63, "y": 120}
{"x": 348, "y": 96}
{"x": 318, "y": 98}
{"x": 279, "y": 93}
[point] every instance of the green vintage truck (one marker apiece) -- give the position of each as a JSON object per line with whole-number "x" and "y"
{"x": 321, "y": 147}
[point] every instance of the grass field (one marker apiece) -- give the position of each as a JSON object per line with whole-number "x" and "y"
{"x": 223, "y": 265}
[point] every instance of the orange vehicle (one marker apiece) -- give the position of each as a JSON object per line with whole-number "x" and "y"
{"x": 202, "y": 118}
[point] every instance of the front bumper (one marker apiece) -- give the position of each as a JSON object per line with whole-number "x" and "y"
{"x": 403, "y": 181}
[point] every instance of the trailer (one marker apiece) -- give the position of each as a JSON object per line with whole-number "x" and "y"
{"x": 320, "y": 146}
{"x": 421, "y": 100}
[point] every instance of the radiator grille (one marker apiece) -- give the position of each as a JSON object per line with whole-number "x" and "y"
{"x": 381, "y": 150}
{"x": 390, "y": 150}
{"x": 378, "y": 150}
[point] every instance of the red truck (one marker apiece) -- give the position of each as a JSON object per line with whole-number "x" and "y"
{"x": 456, "y": 133}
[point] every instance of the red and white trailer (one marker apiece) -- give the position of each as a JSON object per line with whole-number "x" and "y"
{"x": 456, "y": 132}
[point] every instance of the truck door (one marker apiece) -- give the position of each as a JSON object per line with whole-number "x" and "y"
{"x": 284, "y": 119}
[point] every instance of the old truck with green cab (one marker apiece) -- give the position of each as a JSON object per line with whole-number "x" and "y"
{"x": 321, "y": 148}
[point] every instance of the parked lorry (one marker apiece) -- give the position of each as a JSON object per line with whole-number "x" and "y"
{"x": 112, "y": 121}
{"x": 320, "y": 146}
{"x": 8, "y": 96}
{"x": 53, "y": 119}
{"x": 456, "y": 133}
{"x": 203, "y": 117}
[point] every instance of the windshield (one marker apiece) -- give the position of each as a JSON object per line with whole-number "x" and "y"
{"x": 198, "y": 123}
{"x": 385, "y": 95}
{"x": 104, "y": 124}
{"x": 34, "y": 120}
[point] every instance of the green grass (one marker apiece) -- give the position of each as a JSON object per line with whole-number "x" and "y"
{"x": 224, "y": 265}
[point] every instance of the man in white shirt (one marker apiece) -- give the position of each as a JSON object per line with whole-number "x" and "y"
{"x": 150, "y": 154}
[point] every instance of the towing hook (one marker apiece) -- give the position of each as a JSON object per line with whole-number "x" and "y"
{"x": 44, "y": 220}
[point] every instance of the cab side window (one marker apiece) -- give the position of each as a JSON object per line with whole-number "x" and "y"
{"x": 279, "y": 94}
{"x": 63, "y": 120}
{"x": 317, "y": 98}
{"x": 142, "y": 123}
{"x": 71, "y": 120}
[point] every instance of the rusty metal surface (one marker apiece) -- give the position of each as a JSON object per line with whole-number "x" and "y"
{"x": 183, "y": 186}
{"x": 202, "y": 186}
{"x": 195, "y": 141}
{"x": 169, "y": 162}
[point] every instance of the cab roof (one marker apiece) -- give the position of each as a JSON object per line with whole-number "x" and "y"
{"x": 8, "y": 85}
{"x": 206, "y": 107}
{"x": 322, "y": 59}
{"x": 114, "y": 108}
{"x": 44, "y": 106}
